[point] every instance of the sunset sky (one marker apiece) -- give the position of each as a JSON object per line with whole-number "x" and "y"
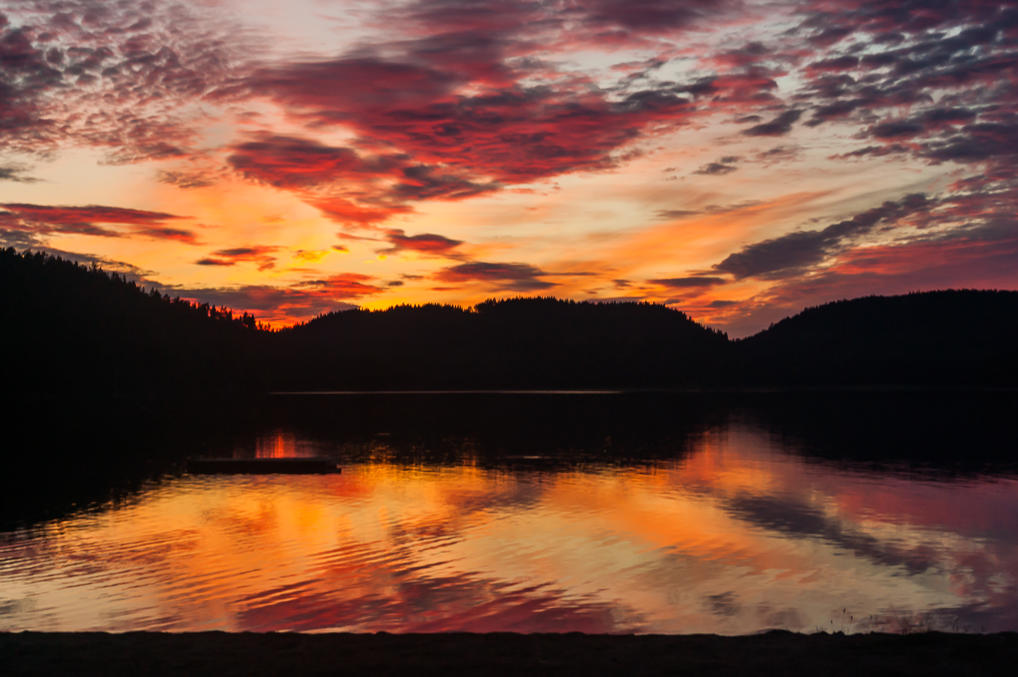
{"x": 735, "y": 159}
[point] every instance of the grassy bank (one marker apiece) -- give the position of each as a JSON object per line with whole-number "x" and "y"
{"x": 773, "y": 653}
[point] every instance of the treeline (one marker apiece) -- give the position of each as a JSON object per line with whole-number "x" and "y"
{"x": 517, "y": 343}
{"x": 73, "y": 327}
{"x": 951, "y": 337}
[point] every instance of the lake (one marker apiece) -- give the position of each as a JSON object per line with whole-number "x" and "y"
{"x": 552, "y": 513}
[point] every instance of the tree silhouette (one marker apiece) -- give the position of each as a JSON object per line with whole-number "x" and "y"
{"x": 71, "y": 327}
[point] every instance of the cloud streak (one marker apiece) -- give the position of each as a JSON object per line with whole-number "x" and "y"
{"x": 519, "y": 277}
{"x": 98, "y": 220}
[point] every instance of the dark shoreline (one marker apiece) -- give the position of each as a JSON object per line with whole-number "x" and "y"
{"x": 771, "y": 653}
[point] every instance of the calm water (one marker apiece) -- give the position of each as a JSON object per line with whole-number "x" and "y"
{"x": 739, "y": 530}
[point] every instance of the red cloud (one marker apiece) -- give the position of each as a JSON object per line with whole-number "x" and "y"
{"x": 114, "y": 76}
{"x": 345, "y": 185}
{"x": 516, "y": 135}
{"x": 95, "y": 220}
{"x": 343, "y": 285}
{"x": 427, "y": 243}
{"x": 344, "y": 210}
{"x": 457, "y": 108}
{"x": 505, "y": 276}
{"x": 286, "y": 161}
{"x": 262, "y": 255}
{"x": 287, "y": 305}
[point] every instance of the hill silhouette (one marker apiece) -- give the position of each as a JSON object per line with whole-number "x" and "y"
{"x": 70, "y": 327}
{"x": 73, "y": 327}
{"x": 523, "y": 342}
{"x": 952, "y": 337}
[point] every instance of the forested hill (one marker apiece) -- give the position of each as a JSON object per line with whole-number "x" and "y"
{"x": 929, "y": 338}
{"x": 69, "y": 327}
{"x": 540, "y": 342}
{"x": 72, "y": 327}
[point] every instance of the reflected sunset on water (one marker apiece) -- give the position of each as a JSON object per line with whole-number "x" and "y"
{"x": 739, "y": 534}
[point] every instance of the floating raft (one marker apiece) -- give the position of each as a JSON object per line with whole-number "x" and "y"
{"x": 262, "y": 466}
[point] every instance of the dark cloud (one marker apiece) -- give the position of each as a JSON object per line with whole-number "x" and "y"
{"x": 674, "y": 214}
{"x": 15, "y": 173}
{"x": 896, "y": 129}
{"x": 296, "y": 302}
{"x": 725, "y": 165}
{"x": 95, "y": 220}
{"x": 260, "y": 255}
{"x": 777, "y": 154}
{"x": 427, "y": 243}
{"x": 688, "y": 282}
{"x": 978, "y": 142}
{"x": 506, "y": 276}
{"x": 841, "y": 63}
{"x": 286, "y": 161}
{"x": 790, "y": 517}
{"x": 652, "y": 15}
{"x": 115, "y": 79}
{"x": 790, "y": 254}
{"x": 873, "y": 151}
{"x": 184, "y": 179}
{"x": 932, "y": 84}
{"x": 953, "y": 115}
{"x": 341, "y": 285}
{"x": 19, "y": 239}
{"x": 617, "y": 299}
{"x": 733, "y": 207}
{"x": 780, "y": 125}
{"x": 422, "y": 182}
{"x": 279, "y": 303}
{"x": 740, "y": 89}
{"x": 346, "y": 185}
{"x": 787, "y": 254}
{"x": 25, "y": 76}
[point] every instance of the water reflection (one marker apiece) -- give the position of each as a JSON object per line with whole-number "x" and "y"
{"x": 737, "y": 535}
{"x": 278, "y": 444}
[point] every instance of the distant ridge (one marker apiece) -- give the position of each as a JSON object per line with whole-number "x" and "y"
{"x": 522, "y": 342}
{"x": 923, "y": 338}
{"x": 68, "y": 326}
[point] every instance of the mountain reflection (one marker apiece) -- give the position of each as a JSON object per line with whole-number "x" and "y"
{"x": 737, "y": 533}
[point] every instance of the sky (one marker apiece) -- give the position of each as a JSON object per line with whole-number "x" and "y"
{"x": 738, "y": 160}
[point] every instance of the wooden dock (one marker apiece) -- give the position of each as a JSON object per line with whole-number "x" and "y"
{"x": 262, "y": 466}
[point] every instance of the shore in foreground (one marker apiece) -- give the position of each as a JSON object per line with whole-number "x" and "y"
{"x": 772, "y": 653}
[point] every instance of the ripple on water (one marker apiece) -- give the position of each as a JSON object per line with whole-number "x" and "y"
{"x": 736, "y": 537}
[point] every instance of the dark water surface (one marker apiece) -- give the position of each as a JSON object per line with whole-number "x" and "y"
{"x": 602, "y": 513}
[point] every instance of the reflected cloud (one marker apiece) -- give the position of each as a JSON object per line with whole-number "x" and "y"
{"x": 735, "y": 537}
